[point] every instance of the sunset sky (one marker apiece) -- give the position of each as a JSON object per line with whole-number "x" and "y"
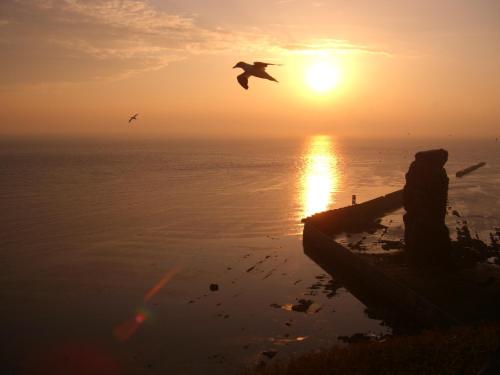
{"x": 429, "y": 68}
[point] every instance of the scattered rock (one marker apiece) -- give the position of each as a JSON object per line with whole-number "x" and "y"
{"x": 306, "y": 306}
{"x": 331, "y": 288}
{"x": 302, "y": 305}
{"x": 357, "y": 246}
{"x": 391, "y": 245}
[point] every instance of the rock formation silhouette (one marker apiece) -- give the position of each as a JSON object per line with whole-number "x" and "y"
{"x": 425, "y": 198}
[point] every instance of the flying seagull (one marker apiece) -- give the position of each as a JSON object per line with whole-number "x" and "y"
{"x": 258, "y": 69}
{"x": 134, "y": 117}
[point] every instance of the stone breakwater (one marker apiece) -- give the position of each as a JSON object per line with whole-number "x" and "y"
{"x": 470, "y": 169}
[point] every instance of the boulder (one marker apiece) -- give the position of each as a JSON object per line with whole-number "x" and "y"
{"x": 425, "y": 197}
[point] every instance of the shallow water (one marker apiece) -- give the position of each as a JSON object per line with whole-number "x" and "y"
{"x": 109, "y": 248}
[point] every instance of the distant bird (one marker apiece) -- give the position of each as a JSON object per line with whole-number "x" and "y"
{"x": 134, "y": 117}
{"x": 258, "y": 69}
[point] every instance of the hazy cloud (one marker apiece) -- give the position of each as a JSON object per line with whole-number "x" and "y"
{"x": 72, "y": 40}
{"x": 332, "y": 46}
{"x": 77, "y": 40}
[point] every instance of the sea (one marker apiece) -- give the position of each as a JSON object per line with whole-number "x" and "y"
{"x": 185, "y": 256}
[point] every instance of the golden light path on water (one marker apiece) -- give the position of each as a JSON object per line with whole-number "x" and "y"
{"x": 321, "y": 178}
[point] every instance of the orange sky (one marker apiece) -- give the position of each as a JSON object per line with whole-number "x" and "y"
{"x": 81, "y": 67}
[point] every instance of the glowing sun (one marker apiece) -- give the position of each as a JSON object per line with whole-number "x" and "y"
{"x": 322, "y": 76}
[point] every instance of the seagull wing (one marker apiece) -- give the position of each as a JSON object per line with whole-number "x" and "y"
{"x": 243, "y": 80}
{"x": 262, "y": 65}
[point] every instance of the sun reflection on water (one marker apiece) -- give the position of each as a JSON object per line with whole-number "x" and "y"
{"x": 320, "y": 178}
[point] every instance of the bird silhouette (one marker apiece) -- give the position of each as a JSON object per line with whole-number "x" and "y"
{"x": 134, "y": 117}
{"x": 258, "y": 69}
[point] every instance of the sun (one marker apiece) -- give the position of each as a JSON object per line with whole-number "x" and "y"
{"x": 322, "y": 76}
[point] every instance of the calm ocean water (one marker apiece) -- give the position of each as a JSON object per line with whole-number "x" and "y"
{"x": 109, "y": 248}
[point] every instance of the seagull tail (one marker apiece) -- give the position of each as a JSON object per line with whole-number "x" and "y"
{"x": 270, "y": 78}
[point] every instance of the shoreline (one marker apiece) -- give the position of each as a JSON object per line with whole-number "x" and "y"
{"x": 461, "y": 350}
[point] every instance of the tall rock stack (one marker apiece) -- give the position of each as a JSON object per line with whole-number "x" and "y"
{"x": 425, "y": 197}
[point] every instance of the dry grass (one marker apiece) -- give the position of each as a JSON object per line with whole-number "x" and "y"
{"x": 461, "y": 350}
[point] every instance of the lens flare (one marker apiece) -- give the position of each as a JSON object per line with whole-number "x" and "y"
{"x": 127, "y": 329}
